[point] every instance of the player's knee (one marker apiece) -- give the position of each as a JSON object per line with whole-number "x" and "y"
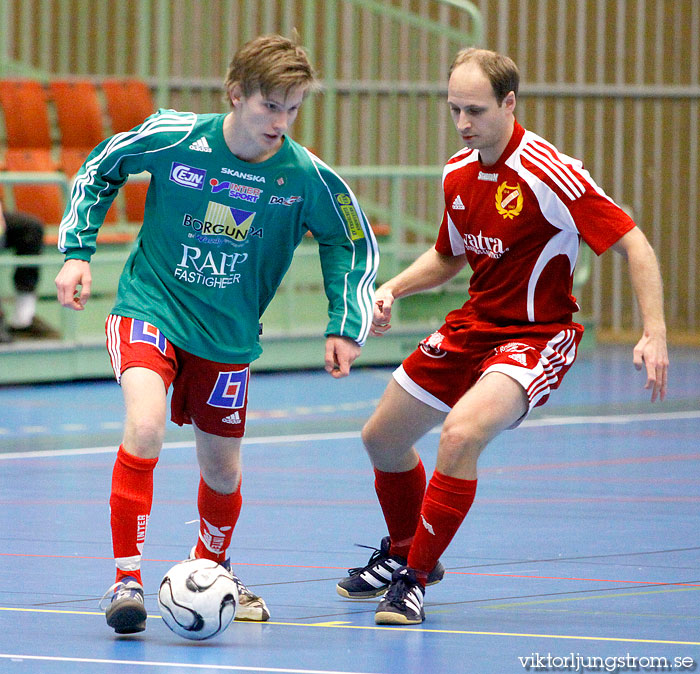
{"x": 144, "y": 437}
{"x": 374, "y": 440}
{"x": 460, "y": 439}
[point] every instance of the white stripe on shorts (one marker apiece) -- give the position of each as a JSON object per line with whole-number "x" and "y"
{"x": 113, "y": 344}
{"x": 403, "y": 380}
{"x": 538, "y": 381}
{"x": 560, "y": 351}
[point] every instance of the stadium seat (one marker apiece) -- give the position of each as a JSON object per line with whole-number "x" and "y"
{"x": 45, "y": 201}
{"x": 79, "y": 118}
{"x": 129, "y": 102}
{"x": 80, "y": 123}
{"x": 24, "y": 105}
{"x": 24, "y": 108}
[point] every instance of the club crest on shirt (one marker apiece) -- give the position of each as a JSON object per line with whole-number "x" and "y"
{"x": 509, "y": 200}
{"x": 432, "y": 345}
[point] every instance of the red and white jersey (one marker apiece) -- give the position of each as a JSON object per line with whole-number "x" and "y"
{"x": 519, "y": 222}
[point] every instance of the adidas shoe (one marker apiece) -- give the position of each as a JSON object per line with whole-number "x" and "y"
{"x": 373, "y": 579}
{"x": 250, "y": 607}
{"x": 125, "y": 612}
{"x": 403, "y": 602}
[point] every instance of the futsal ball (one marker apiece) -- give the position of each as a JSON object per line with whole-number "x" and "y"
{"x": 197, "y": 599}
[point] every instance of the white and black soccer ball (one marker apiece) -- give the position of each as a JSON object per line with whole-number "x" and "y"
{"x": 197, "y": 599}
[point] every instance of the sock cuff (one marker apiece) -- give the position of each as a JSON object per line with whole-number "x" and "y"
{"x": 135, "y": 462}
{"x": 454, "y": 485}
{"x": 417, "y": 473}
{"x": 204, "y": 488}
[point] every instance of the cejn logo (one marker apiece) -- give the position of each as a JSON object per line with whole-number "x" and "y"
{"x": 187, "y": 176}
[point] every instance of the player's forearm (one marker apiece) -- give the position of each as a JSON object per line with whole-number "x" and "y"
{"x": 648, "y": 287}
{"x": 646, "y": 281}
{"x": 430, "y": 270}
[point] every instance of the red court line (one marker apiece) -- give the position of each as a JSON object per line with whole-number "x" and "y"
{"x": 335, "y": 568}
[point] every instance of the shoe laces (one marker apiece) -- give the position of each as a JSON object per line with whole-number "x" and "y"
{"x": 376, "y": 555}
{"x": 115, "y": 591}
{"x": 243, "y": 590}
{"x": 400, "y": 588}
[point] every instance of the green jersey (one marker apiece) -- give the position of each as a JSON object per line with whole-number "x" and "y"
{"x": 219, "y": 233}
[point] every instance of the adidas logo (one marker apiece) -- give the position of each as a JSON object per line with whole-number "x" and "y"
{"x": 200, "y": 145}
{"x": 234, "y": 418}
{"x": 457, "y": 203}
{"x": 519, "y": 358}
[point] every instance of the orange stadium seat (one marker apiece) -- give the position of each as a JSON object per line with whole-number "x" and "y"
{"x": 129, "y": 102}
{"x": 79, "y": 112}
{"x": 79, "y": 118}
{"x": 80, "y": 124}
{"x": 44, "y": 201}
{"x": 24, "y": 108}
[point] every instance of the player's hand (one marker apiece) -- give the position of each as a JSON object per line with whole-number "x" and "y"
{"x": 381, "y": 320}
{"x": 341, "y": 352}
{"x": 73, "y": 284}
{"x": 651, "y": 352}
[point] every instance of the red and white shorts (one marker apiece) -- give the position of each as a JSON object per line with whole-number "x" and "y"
{"x": 212, "y": 395}
{"x": 449, "y": 362}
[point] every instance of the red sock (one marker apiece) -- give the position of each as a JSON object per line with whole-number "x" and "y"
{"x": 130, "y": 507}
{"x": 400, "y": 496}
{"x": 446, "y": 504}
{"x": 218, "y": 514}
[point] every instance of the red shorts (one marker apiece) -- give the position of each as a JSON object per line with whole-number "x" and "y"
{"x": 214, "y": 396}
{"x": 451, "y": 360}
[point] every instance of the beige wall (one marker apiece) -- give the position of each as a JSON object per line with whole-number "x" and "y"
{"x": 614, "y": 82}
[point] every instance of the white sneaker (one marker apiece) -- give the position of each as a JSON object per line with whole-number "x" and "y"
{"x": 24, "y": 310}
{"x": 125, "y": 612}
{"x": 249, "y": 607}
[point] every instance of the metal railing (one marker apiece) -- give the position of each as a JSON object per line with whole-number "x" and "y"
{"x": 301, "y": 294}
{"x": 616, "y": 84}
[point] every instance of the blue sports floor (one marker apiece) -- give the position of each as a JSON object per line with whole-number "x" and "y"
{"x": 581, "y": 553}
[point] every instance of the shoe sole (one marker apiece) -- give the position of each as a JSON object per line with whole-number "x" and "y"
{"x": 254, "y": 614}
{"x": 391, "y": 618}
{"x": 250, "y": 618}
{"x": 128, "y": 618}
{"x": 371, "y": 594}
{"x": 361, "y": 595}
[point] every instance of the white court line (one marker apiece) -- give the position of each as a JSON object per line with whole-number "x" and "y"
{"x": 353, "y": 435}
{"x": 612, "y": 418}
{"x": 183, "y": 665}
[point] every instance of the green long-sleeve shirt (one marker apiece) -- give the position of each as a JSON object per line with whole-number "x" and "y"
{"x": 219, "y": 233}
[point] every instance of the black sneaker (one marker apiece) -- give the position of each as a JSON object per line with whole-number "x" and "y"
{"x": 403, "y": 602}
{"x": 125, "y": 612}
{"x": 372, "y": 580}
